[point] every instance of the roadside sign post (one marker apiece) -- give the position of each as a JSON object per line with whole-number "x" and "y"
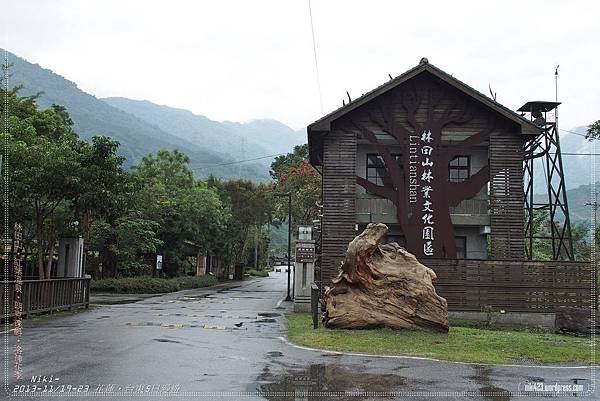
{"x": 159, "y": 261}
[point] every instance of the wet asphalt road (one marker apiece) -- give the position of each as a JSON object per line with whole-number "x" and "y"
{"x": 226, "y": 343}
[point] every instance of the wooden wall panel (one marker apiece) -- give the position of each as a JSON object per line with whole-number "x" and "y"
{"x": 506, "y": 196}
{"x": 339, "y": 200}
{"x": 516, "y": 286}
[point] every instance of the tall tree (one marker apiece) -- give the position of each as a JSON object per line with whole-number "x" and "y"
{"x": 593, "y": 131}
{"x": 44, "y": 164}
{"x": 184, "y": 208}
{"x": 282, "y": 163}
{"x": 294, "y": 174}
{"x": 251, "y": 207}
{"x": 542, "y": 245}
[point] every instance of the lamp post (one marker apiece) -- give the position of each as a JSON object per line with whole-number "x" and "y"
{"x": 289, "y": 196}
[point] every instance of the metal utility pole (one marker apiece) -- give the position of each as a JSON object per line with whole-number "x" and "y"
{"x": 256, "y": 248}
{"x": 594, "y": 205}
{"x": 289, "y": 268}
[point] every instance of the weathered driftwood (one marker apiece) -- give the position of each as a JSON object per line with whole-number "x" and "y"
{"x": 577, "y": 321}
{"x": 383, "y": 286}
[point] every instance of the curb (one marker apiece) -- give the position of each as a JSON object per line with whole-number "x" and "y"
{"x": 423, "y": 358}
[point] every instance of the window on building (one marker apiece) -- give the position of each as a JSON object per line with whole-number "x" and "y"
{"x": 459, "y": 169}
{"x": 461, "y": 247}
{"x": 377, "y": 172}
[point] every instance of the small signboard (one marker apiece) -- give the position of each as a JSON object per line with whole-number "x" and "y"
{"x": 305, "y": 254}
{"x": 158, "y": 262}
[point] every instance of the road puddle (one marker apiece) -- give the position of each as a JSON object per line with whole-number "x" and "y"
{"x": 487, "y": 389}
{"x": 165, "y": 340}
{"x": 190, "y": 299}
{"x": 329, "y": 381}
{"x": 214, "y": 327}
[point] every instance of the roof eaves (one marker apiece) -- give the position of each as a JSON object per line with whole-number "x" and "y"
{"x": 323, "y": 124}
{"x": 484, "y": 98}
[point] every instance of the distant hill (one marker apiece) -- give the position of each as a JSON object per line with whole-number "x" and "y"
{"x": 206, "y": 145}
{"x": 244, "y": 141}
{"x": 143, "y": 127}
{"x": 577, "y": 166}
{"x": 578, "y": 197}
{"x": 576, "y": 160}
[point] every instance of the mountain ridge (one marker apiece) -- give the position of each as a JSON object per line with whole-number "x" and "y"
{"x": 143, "y": 127}
{"x": 138, "y": 137}
{"x": 251, "y": 139}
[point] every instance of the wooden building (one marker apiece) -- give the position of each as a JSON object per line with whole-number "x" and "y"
{"x": 442, "y": 165}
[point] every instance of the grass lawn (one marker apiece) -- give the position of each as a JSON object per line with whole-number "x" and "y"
{"x": 465, "y": 344}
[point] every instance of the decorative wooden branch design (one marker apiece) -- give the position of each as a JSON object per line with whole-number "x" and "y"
{"x": 381, "y": 117}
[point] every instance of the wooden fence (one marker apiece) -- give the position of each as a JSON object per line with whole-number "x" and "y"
{"x": 45, "y": 295}
{"x": 514, "y": 286}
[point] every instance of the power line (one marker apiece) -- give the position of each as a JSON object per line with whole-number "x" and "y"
{"x": 283, "y": 154}
{"x": 572, "y": 132}
{"x": 575, "y": 154}
{"x": 314, "y": 42}
{"x": 237, "y": 161}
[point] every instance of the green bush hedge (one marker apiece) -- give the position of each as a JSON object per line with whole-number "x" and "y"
{"x": 258, "y": 273}
{"x": 150, "y": 285}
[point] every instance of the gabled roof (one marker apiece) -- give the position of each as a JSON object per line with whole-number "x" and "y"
{"x": 323, "y": 125}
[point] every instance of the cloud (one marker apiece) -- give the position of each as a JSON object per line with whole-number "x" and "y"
{"x": 239, "y": 60}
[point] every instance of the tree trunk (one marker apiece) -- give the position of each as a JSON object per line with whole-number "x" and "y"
{"x": 39, "y": 234}
{"x": 109, "y": 261}
{"x": 256, "y": 248}
{"x": 51, "y": 247}
{"x": 383, "y": 286}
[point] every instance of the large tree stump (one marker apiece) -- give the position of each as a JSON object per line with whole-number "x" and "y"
{"x": 383, "y": 286}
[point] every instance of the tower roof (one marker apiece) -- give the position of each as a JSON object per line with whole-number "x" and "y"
{"x": 538, "y": 105}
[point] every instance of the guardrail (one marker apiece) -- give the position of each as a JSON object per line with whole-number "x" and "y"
{"x": 40, "y": 296}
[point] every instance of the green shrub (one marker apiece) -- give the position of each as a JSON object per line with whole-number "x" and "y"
{"x": 150, "y": 285}
{"x": 258, "y": 273}
{"x": 134, "y": 268}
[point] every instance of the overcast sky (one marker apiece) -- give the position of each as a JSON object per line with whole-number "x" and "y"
{"x": 241, "y": 60}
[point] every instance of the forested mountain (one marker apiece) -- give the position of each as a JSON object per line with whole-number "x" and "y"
{"x": 245, "y": 141}
{"x": 579, "y": 203}
{"x": 577, "y": 157}
{"x": 208, "y": 144}
{"x": 143, "y": 127}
